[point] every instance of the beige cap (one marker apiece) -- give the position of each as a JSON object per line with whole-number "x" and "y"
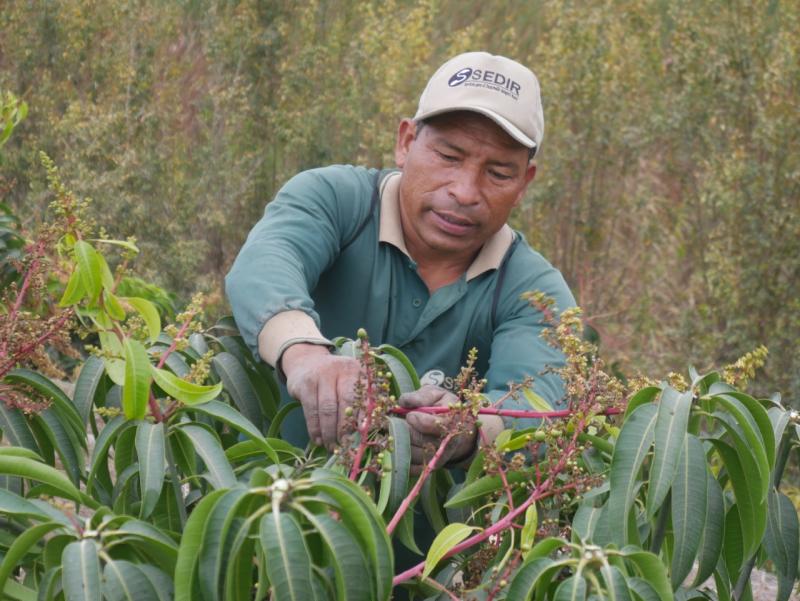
{"x": 495, "y": 86}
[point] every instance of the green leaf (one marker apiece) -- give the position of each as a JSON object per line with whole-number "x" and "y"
{"x": 571, "y": 589}
{"x": 752, "y": 509}
{"x": 643, "y": 397}
{"x": 436, "y": 485}
{"x": 396, "y": 353}
{"x": 220, "y": 473}
{"x": 405, "y": 533}
{"x": 213, "y": 559}
{"x": 359, "y": 515}
{"x": 88, "y": 265}
{"x": 81, "y": 577}
{"x": 136, "y": 391}
{"x": 152, "y": 542}
{"x": 781, "y": 541}
{"x": 74, "y": 291}
{"x": 33, "y": 470}
{"x": 112, "y": 305}
{"x": 670, "y": 434}
{"x": 17, "y": 592}
{"x": 112, "y": 349}
{"x": 689, "y": 505}
{"x": 287, "y": 558}
{"x": 123, "y": 243}
{"x": 230, "y": 416}
{"x": 149, "y": 315}
{"x": 536, "y": 402}
{"x": 734, "y": 544}
{"x": 712, "y": 533}
{"x": 63, "y": 441}
{"x": 632, "y": 447}
{"x": 401, "y": 461}
{"x": 617, "y": 586}
{"x": 443, "y": 543}
{"x": 125, "y": 581}
{"x": 15, "y": 428}
{"x": 644, "y": 590}
{"x": 526, "y": 579}
{"x": 186, "y": 392}
{"x": 544, "y": 548}
{"x": 529, "y": 527}
{"x": 66, "y": 410}
{"x": 20, "y": 547}
{"x": 89, "y": 379}
{"x": 14, "y": 505}
{"x": 482, "y": 487}
{"x": 238, "y": 385}
{"x": 191, "y": 540}
{"x": 104, "y": 440}
{"x": 652, "y": 570}
{"x": 402, "y": 380}
{"x": 152, "y": 464}
{"x": 348, "y": 562}
{"x": 276, "y": 423}
{"x": 587, "y": 519}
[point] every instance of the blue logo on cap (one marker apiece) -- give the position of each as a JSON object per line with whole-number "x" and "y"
{"x": 460, "y": 77}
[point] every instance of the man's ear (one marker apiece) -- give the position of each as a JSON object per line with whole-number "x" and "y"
{"x": 406, "y": 134}
{"x": 530, "y": 174}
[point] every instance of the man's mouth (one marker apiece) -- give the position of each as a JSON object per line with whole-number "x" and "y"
{"x": 453, "y": 224}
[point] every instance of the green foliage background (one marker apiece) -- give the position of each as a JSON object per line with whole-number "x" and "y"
{"x": 669, "y": 181}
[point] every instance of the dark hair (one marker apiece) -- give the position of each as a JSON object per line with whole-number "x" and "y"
{"x": 421, "y": 123}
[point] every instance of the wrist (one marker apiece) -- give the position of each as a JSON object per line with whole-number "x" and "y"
{"x": 296, "y": 353}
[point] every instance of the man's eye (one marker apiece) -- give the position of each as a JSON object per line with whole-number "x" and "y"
{"x": 447, "y": 157}
{"x": 499, "y": 175}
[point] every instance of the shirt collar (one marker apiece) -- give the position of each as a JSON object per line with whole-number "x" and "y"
{"x": 391, "y": 231}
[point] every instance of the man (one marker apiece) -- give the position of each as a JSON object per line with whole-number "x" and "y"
{"x": 422, "y": 258}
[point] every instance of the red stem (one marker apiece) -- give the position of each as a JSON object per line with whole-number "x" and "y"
{"x": 504, "y": 412}
{"x": 12, "y": 315}
{"x": 363, "y": 429}
{"x": 174, "y": 344}
{"x": 502, "y": 471}
{"x": 414, "y": 493}
{"x": 28, "y": 348}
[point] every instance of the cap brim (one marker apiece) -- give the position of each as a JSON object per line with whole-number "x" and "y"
{"x": 509, "y": 127}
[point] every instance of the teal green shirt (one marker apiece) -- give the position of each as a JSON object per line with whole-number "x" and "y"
{"x": 322, "y": 247}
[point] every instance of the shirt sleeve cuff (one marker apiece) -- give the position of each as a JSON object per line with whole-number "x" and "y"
{"x": 284, "y": 329}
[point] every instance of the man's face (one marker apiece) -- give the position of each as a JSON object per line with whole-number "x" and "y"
{"x": 462, "y": 175}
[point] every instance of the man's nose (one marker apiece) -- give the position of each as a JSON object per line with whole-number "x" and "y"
{"x": 465, "y": 187}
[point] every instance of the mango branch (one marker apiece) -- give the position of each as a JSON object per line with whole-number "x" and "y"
{"x": 505, "y": 412}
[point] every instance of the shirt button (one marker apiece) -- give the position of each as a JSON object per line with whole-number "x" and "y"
{"x": 417, "y": 303}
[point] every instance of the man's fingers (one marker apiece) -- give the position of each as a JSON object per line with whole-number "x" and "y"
{"x": 306, "y": 393}
{"x": 427, "y": 396}
{"x": 425, "y": 423}
{"x": 328, "y": 412}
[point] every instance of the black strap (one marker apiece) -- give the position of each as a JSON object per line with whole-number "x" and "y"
{"x": 501, "y": 276}
{"x": 372, "y": 210}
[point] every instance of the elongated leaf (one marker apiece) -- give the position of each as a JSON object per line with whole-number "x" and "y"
{"x": 62, "y": 442}
{"x": 526, "y": 579}
{"x": 359, "y": 515}
{"x": 713, "y": 532}
{"x": 14, "y": 505}
{"x": 152, "y": 463}
{"x": 760, "y": 419}
{"x": 66, "y": 410}
{"x": 220, "y": 473}
{"x": 88, "y": 263}
{"x": 529, "y": 527}
{"x": 15, "y": 428}
{"x": 733, "y": 547}
{"x": 396, "y": 353}
{"x": 152, "y": 542}
{"x": 571, "y": 589}
{"x": 74, "y": 291}
{"x": 81, "y": 571}
{"x": 348, "y": 561}
{"x": 89, "y": 379}
{"x": 227, "y": 414}
{"x": 617, "y": 586}
{"x": 21, "y": 546}
{"x": 443, "y": 543}
{"x": 112, "y": 305}
{"x": 752, "y": 509}
{"x": 213, "y": 560}
{"x": 287, "y": 558}
{"x": 670, "y": 434}
{"x": 689, "y": 506}
{"x": 136, "y": 390}
{"x": 482, "y": 487}
{"x": 544, "y": 548}
{"x": 644, "y": 590}
{"x": 191, "y": 540}
{"x": 124, "y": 581}
{"x": 402, "y": 381}
{"x": 746, "y": 434}
{"x": 634, "y": 443}
{"x": 186, "y": 392}
{"x": 149, "y": 315}
{"x": 405, "y": 533}
{"x": 652, "y": 570}
{"x": 112, "y": 349}
{"x": 401, "y": 461}
{"x": 276, "y": 423}
{"x": 536, "y": 402}
{"x": 238, "y": 385}
{"x": 643, "y": 397}
{"x": 33, "y": 470}
{"x": 781, "y": 541}
{"x": 104, "y": 440}
{"x": 162, "y": 584}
